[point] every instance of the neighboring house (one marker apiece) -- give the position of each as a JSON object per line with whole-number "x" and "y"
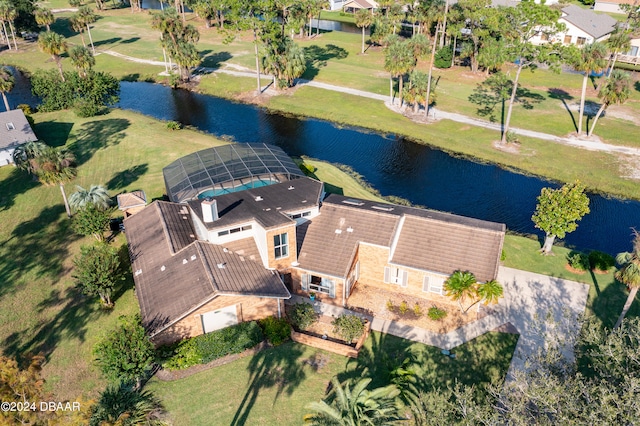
{"x": 132, "y": 202}
{"x": 633, "y": 55}
{"x": 612, "y": 6}
{"x": 352, "y": 6}
{"x": 582, "y": 26}
{"x": 336, "y": 4}
{"x": 226, "y": 254}
{"x": 14, "y": 130}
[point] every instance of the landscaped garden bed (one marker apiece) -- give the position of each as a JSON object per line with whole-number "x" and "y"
{"x": 389, "y": 305}
{"x": 344, "y": 335}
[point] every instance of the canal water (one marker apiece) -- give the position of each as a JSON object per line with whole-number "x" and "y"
{"x": 393, "y": 165}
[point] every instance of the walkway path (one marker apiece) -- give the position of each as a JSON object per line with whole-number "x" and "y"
{"x": 590, "y": 145}
{"x": 530, "y": 301}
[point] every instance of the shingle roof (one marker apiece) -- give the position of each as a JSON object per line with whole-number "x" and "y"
{"x": 175, "y": 275}
{"x": 18, "y": 132}
{"x": 128, "y": 200}
{"x": 594, "y": 24}
{"x": 327, "y": 251}
{"x": 425, "y": 239}
{"x": 241, "y": 207}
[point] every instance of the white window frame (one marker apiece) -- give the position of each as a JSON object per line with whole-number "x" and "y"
{"x": 396, "y": 276}
{"x": 428, "y": 286}
{"x": 325, "y": 286}
{"x": 282, "y": 246}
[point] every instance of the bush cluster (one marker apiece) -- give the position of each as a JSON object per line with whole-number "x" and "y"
{"x": 349, "y": 327}
{"x": 578, "y": 260}
{"x": 88, "y": 96}
{"x": 302, "y": 315}
{"x": 277, "y": 331}
{"x": 443, "y": 57}
{"x": 207, "y": 347}
{"x": 601, "y": 261}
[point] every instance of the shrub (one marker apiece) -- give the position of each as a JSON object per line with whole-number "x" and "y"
{"x": 349, "y": 327}
{"x": 503, "y": 256}
{"x": 390, "y": 306}
{"x": 173, "y": 125}
{"x": 512, "y": 137}
{"x": 214, "y": 345}
{"x": 404, "y": 307}
{"x": 578, "y": 260}
{"x": 26, "y": 108}
{"x": 417, "y": 310}
{"x": 601, "y": 261}
{"x": 443, "y": 57}
{"x": 436, "y": 313}
{"x": 302, "y": 315}
{"x": 276, "y": 330}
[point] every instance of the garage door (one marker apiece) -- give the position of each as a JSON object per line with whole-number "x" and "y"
{"x": 221, "y": 318}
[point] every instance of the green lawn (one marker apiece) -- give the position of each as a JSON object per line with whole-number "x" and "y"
{"x": 274, "y": 386}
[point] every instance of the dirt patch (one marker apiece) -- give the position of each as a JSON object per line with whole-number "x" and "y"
{"x": 375, "y": 301}
{"x": 574, "y": 270}
{"x": 324, "y": 329}
{"x": 511, "y": 148}
{"x": 507, "y": 328}
{"x": 616, "y": 111}
{"x": 629, "y": 166}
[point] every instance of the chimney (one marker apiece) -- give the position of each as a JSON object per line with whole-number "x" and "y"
{"x": 209, "y": 210}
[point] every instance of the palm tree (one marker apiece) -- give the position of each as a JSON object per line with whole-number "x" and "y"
{"x": 44, "y": 17}
{"x": 55, "y": 45}
{"x": 6, "y": 84}
{"x": 364, "y": 19}
{"x": 398, "y": 61}
{"x": 120, "y": 404}
{"x": 356, "y": 406}
{"x": 629, "y": 274}
{"x": 591, "y": 58}
{"x": 96, "y": 195}
{"x": 618, "y": 42}
{"x": 56, "y": 166}
{"x": 9, "y": 13}
{"x": 24, "y": 155}
{"x": 460, "y": 286}
{"x": 82, "y": 59}
{"x": 616, "y": 90}
{"x": 490, "y": 292}
{"x": 86, "y": 17}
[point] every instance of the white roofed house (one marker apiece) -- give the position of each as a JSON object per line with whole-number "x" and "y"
{"x": 14, "y": 131}
{"x": 582, "y": 26}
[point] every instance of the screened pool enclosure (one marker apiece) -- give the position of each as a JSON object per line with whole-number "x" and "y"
{"x": 228, "y": 168}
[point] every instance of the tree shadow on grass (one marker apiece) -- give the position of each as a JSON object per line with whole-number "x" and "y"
{"x": 96, "y": 135}
{"x": 318, "y": 56}
{"x": 213, "y": 60}
{"x": 278, "y": 368}
{"x": 608, "y": 303}
{"x": 126, "y": 177}
{"x": 54, "y": 133}
{"x": 564, "y": 96}
{"x": 18, "y": 182}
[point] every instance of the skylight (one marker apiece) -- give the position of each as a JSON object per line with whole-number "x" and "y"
{"x": 353, "y": 202}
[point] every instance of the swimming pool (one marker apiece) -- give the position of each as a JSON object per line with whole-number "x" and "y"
{"x": 253, "y": 184}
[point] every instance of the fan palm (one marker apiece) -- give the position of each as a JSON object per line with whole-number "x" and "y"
{"x": 490, "y": 292}
{"x": 82, "y": 59}
{"x": 616, "y": 90}
{"x": 8, "y": 13}
{"x": 398, "y": 61}
{"x": 55, "y": 45}
{"x": 629, "y": 274}
{"x": 6, "y": 84}
{"x": 55, "y": 167}
{"x": 24, "y": 155}
{"x": 85, "y": 16}
{"x": 618, "y": 42}
{"x": 364, "y": 19}
{"x": 96, "y": 195}
{"x": 592, "y": 58}
{"x": 356, "y": 406}
{"x": 120, "y": 405}
{"x": 461, "y": 285}
{"x": 44, "y": 17}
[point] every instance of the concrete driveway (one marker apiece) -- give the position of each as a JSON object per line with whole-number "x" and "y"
{"x": 543, "y": 309}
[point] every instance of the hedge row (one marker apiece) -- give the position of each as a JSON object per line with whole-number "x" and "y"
{"x": 207, "y": 347}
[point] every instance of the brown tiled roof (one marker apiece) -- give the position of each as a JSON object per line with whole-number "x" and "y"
{"x": 128, "y": 200}
{"x": 424, "y": 239}
{"x": 245, "y": 247}
{"x": 241, "y": 207}
{"x": 19, "y": 134}
{"x": 437, "y": 246}
{"x": 173, "y": 277}
{"x": 326, "y": 251}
